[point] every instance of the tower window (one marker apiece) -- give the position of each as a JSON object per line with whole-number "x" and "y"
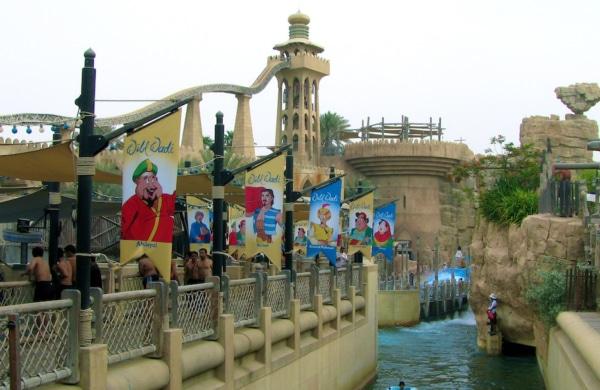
{"x": 284, "y": 95}
{"x": 306, "y": 127}
{"x": 307, "y": 146}
{"x": 284, "y": 122}
{"x": 296, "y": 122}
{"x": 284, "y": 140}
{"x": 306, "y": 84}
{"x": 296, "y": 93}
{"x": 295, "y": 143}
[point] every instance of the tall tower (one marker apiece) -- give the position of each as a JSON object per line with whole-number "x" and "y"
{"x": 298, "y": 97}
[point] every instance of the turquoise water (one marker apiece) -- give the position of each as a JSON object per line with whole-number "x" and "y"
{"x": 444, "y": 355}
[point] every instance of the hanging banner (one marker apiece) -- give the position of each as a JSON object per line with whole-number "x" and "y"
{"x": 324, "y": 221}
{"x": 237, "y": 231}
{"x": 149, "y": 180}
{"x": 384, "y": 222}
{"x": 300, "y": 237}
{"x": 199, "y": 219}
{"x": 264, "y": 202}
{"x": 360, "y": 225}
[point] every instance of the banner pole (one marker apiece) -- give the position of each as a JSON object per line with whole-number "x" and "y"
{"x": 218, "y": 194}
{"x": 289, "y": 209}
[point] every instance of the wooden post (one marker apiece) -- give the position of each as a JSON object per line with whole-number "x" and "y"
{"x": 13, "y": 352}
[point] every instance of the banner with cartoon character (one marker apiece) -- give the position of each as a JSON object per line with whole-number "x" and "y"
{"x": 300, "y": 237}
{"x": 150, "y": 162}
{"x": 384, "y": 222}
{"x": 324, "y": 214}
{"x": 264, "y": 202}
{"x": 360, "y": 225}
{"x": 199, "y": 219}
{"x": 237, "y": 231}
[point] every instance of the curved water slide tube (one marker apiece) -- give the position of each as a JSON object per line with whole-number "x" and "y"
{"x": 273, "y": 66}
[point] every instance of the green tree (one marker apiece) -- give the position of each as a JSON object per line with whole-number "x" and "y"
{"x": 332, "y": 124}
{"x": 228, "y": 139}
{"x": 507, "y": 181}
{"x": 207, "y": 141}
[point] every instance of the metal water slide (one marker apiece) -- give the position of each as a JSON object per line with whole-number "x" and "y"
{"x": 274, "y": 65}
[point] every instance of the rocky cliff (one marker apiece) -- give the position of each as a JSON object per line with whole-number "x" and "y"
{"x": 504, "y": 262}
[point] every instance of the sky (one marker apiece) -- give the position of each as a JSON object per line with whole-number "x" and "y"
{"x": 481, "y": 65}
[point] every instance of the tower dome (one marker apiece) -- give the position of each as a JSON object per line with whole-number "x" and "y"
{"x": 299, "y": 25}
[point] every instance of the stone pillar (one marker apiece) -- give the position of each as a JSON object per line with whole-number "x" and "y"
{"x": 192, "y": 129}
{"x": 243, "y": 139}
{"x": 93, "y": 367}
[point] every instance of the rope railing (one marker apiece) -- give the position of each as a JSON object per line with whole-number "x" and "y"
{"x": 243, "y": 299}
{"x": 341, "y": 280}
{"x": 278, "y": 293}
{"x": 357, "y": 271}
{"x": 15, "y": 293}
{"x": 325, "y": 283}
{"x": 195, "y": 309}
{"x": 304, "y": 289}
{"x": 39, "y": 342}
{"x": 129, "y": 322}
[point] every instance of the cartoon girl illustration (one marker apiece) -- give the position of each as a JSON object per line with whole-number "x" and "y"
{"x": 321, "y": 232}
{"x": 383, "y": 236}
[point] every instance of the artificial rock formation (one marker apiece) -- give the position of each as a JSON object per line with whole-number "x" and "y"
{"x": 579, "y": 97}
{"x": 506, "y": 260}
{"x": 568, "y": 137}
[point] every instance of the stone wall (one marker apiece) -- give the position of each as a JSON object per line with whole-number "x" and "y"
{"x": 568, "y": 137}
{"x": 505, "y": 260}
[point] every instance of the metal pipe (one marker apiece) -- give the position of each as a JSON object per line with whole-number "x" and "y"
{"x": 84, "y": 179}
{"x": 218, "y": 195}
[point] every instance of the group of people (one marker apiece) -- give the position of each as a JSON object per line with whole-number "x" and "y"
{"x": 197, "y": 268}
{"x": 49, "y": 282}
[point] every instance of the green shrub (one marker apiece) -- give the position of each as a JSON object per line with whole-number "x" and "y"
{"x": 547, "y": 295}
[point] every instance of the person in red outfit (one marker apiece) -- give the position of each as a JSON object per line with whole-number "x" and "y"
{"x": 148, "y": 214}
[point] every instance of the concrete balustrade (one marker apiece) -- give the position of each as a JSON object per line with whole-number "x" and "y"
{"x": 305, "y": 349}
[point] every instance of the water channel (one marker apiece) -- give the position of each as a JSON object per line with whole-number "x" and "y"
{"x": 444, "y": 355}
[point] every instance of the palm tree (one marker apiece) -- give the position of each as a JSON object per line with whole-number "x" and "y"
{"x": 331, "y": 125}
{"x": 228, "y": 139}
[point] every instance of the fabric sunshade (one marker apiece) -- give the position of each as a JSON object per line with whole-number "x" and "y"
{"x": 55, "y": 163}
{"x": 32, "y": 207}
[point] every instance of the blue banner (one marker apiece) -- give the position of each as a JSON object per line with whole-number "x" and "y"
{"x": 384, "y": 221}
{"x": 323, "y": 221}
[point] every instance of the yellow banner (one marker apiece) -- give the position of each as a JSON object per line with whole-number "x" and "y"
{"x": 300, "y": 237}
{"x": 360, "y": 225}
{"x": 237, "y": 231}
{"x": 264, "y": 202}
{"x": 199, "y": 219}
{"x": 149, "y": 181}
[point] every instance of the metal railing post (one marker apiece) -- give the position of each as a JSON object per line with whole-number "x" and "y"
{"x": 73, "y": 356}
{"x": 174, "y": 318}
{"x": 96, "y": 295}
{"x": 225, "y": 290}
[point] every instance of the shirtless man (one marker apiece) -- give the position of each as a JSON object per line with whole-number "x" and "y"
{"x": 39, "y": 268}
{"x": 65, "y": 273}
{"x": 70, "y": 251}
{"x": 199, "y": 268}
{"x": 147, "y": 270}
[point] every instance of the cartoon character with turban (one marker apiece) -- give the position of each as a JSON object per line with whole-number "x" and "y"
{"x": 321, "y": 232}
{"x": 148, "y": 214}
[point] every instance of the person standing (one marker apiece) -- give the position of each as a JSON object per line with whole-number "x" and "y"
{"x": 491, "y": 313}
{"x": 458, "y": 258}
{"x": 70, "y": 252}
{"x": 40, "y": 270}
{"x": 147, "y": 270}
{"x": 64, "y": 272}
{"x": 342, "y": 259}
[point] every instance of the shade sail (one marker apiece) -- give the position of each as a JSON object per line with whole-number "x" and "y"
{"x": 32, "y": 207}
{"x": 55, "y": 163}
{"x": 201, "y": 185}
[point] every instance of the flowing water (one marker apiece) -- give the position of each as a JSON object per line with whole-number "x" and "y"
{"x": 444, "y": 355}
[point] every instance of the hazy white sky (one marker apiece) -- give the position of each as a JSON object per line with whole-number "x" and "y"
{"x": 481, "y": 65}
